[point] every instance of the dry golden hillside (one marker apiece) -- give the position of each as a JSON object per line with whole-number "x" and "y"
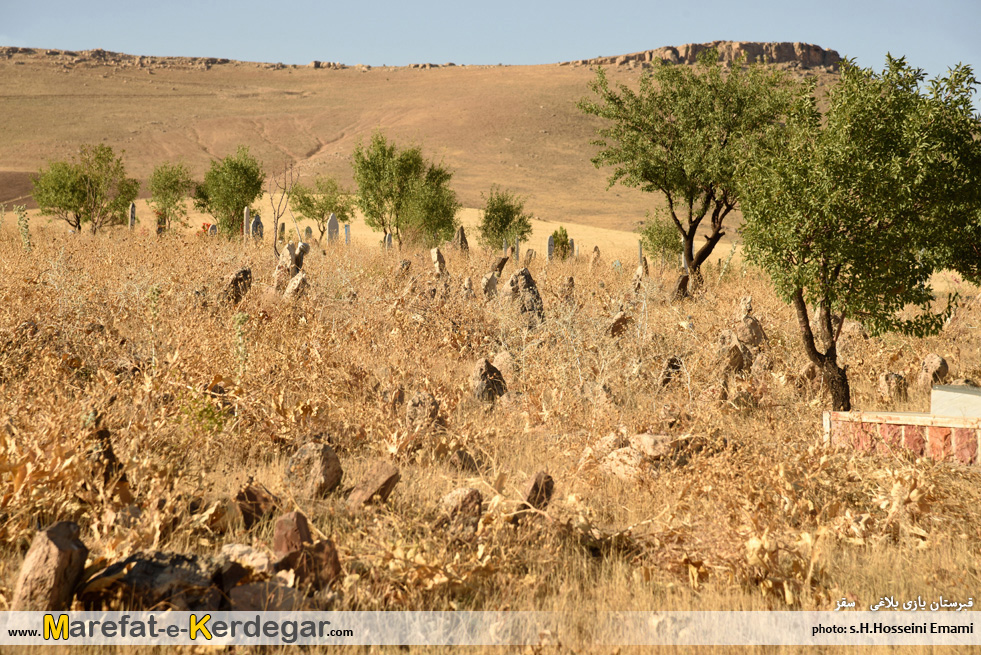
{"x": 516, "y": 126}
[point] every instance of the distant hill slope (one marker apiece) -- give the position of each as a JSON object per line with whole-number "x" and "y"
{"x": 514, "y": 126}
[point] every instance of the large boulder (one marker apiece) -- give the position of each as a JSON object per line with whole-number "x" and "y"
{"x": 51, "y": 570}
{"x": 524, "y": 291}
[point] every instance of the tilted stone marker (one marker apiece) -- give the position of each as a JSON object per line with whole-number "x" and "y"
{"x": 132, "y": 215}
{"x": 529, "y": 256}
{"x": 332, "y": 229}
{"x": 551, "y": 247}
{"x": 347, "y": 235}
{"x": 439, "y": 263}
{"x": 257, "y": 228}
{"x": 51, "y": 570}
{"x": 499, "y": 265}
{"x": 460, "y": 240}
{"x": 537, "y": 495}
{"x": 376, "y": 486}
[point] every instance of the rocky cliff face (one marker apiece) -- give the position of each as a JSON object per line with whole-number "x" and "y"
{"x": 794, "y": 55}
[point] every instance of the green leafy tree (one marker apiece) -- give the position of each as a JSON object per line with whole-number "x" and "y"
{"x": 432, "y": 208}
{"x": 682, "y": 134}
{"x": 397, "y": 187}
{"x": 853, "y": 211}
{"x": 560, "y": 239}
{"x": 170, "y": 186}
{"x": 325, "y": 198}
{"x": 230, "y": 185}
{"x": 504, "y": 219}
{"x": 91, "y": 189}
{"x": 659, "y": 237}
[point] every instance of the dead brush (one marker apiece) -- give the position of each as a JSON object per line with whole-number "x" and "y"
{"x": 768, "y": 519}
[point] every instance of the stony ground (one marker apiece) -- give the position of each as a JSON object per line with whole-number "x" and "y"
{"x": 647, "y": 454}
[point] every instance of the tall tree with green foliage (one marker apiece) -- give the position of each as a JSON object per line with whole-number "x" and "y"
{"x": 91, "y": 189}
{"x": 682, "y": 133}
{"x": 398, "y": 188}
{"x": 325, "y": 198}
{"x": 230, "y": 185}
{"x": 170, "y": 186}
{"x": 853, "y": 211}
{"x": 504, "y": 219}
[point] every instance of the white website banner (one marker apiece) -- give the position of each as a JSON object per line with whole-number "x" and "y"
{"x": 854, "y": 628}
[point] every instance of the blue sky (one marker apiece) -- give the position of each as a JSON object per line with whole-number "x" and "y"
{"x": 933, "y": 35}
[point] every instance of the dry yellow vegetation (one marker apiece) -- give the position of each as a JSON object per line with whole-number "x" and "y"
{"x": 756, "y": 514}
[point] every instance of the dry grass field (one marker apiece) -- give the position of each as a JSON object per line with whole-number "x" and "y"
{"x": 751, "y": 512}
{"x": 745, "y": 509}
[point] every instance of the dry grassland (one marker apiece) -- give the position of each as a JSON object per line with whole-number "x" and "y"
{"x": 760, "y": 516}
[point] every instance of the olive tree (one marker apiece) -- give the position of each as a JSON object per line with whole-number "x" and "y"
{"x": 230, "y": 185}
{"x": 399, "y": 191}
{"x": 504, "y": 219}
{"x": 682, "y": 134}
{"x": 852, "y": 212}
{"x": 91, "y": 189}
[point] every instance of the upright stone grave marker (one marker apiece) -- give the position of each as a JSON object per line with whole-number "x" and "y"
{"x": 245, "y": 225}
{"x": 388, "y": 241}
{"x": 551, "y": 247}
{"x": 572, "y": 248}
{"x": 332, "y": 229}
{"x": 257, "y": 228}
{"x": 347, "y": 234}
{"x": 213, "y": 230}
{"x": 132, "y": 215}
{"x": 517, "y": 250}
{"x": 308, "y": 234}
{"x": 282, "y": 232}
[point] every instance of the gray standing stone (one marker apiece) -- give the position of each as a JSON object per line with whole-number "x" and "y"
{"x": 551, "y": 247}
{"x": 237, "y": 285}
{"x": 487, "y": 382}
{"x": 213, "y": 230}
{"x": 439, "y": 263}
{"x": 388, "y": 241}
{"x": 489, "y": 285}
{"x": 524, "y": 290}
{"x": 313, "y": 471}
{"x": 132, "y": 215}
{"x": 572, "y": 248}
{"x": 460, "y": 240}
{"x": 51, "y": 570}
{"x": 257, "y": 229}
{"x": 282, "y": 232}
{"x": 246, "y": 223}
{"x": 308, "y": 234}
{"x": 332, "y": 229}
{"x": 347, "y": 235}
{"x": 529, "y": 257}
{"x": 537, "y": 495}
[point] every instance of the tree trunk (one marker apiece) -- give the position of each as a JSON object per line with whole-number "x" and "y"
{"x": 837, "y": 379}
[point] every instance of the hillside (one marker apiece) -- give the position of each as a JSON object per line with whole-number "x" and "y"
{"x": 516, "y": 126}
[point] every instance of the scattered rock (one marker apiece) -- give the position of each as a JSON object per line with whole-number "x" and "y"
{"x": 567, "y": 290}
{"x": 620, "y": 324}
{"x": 315, "y": 565}
{"x": 933, "y": 370}
{"x": 255, "y": 502}
{"x": 291, "y": 532}
{"x": 487, "y": 382}
{"x": 439, "y": 262}
{"x": 536, "y": 496}
{"x": 237, "y": 285}
{"x": 672, "y": 366}
{"x": 464, "y": 461}
{"x": 460, "y": 240}
{"x": 313, "y": 471}
{"x": 404, "y": 266}
{"x": 51, "y": 570}
{"x": 624, "y": 463}
{"x": 258, "y": 563}
{"x": 489, "y": 285}
{"x": 376, "y": 486}
{"x": 297, "y": 287}
{"x": 749, "y": 332}
{"x": 422, "y": 411}
{"x": 499, "y": 266}
{"x": 734, "y": 354}
{"x": 462, "y": 509}
{"x": 893, "y": 386}
{"x": 158, "y": 581}
{"x": 525, "y": 291}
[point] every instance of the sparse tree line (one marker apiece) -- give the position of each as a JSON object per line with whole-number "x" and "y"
{"x": 849, "y": 211}
{"x": 400, "y": 193}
